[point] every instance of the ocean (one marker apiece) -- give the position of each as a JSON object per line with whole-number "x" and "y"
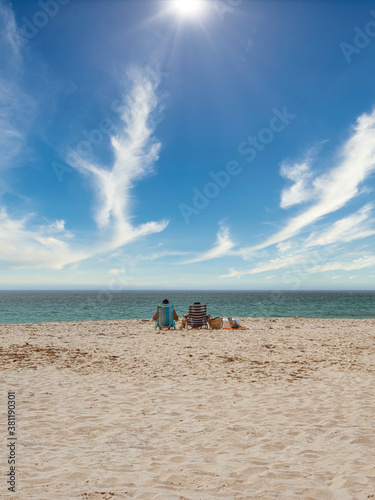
{"x": 50, "y": 306}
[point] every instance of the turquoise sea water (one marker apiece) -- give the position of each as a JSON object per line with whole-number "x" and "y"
{"x": 35, "y": 307}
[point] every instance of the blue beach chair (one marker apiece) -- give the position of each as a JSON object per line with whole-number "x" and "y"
{"x": 165, "y": 317}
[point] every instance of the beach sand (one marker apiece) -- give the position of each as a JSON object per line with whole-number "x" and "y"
{"x": 110, "y": 410}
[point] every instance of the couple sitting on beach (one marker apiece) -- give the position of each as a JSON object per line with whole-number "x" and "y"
{"x": 166, "y": 316}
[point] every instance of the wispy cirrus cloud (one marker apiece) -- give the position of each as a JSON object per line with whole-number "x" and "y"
{"x": 25, "y": 243}
{"x": 348, "y": 265}
{"x": 330, "y": 192}
{"x": 271, "y": 265}
{"x": 334, "y": 189}
{"x": 135, "y": 152}
{"x": 300, "y": 191}
{"x": 10, "y": 41}
{"x": 159, "y": 255}
{"x": 16, "y": 106}
{"x": 295, "y": 253}
{"x": 356, "y": 226}
{"x": 306, "y": 261}
{"x": 222, "y": 247}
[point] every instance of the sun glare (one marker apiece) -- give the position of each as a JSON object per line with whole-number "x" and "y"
{"x": 189, "y": 7}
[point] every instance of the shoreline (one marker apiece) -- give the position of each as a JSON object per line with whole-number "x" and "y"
{"x": 144, "y": 320}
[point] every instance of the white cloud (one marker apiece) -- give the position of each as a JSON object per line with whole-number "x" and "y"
{"x": 58, "y": 226}
{"x": 16, "y": 106}
{"x": 306, "y": 261}
{"x": 8, "y": 31}
{"x": 23, "y": 243}
{"x": 232, "y": 273}
{"x": 284, "y": 246}
{"x": 355, "y": 264}
{"x": 37, "y": 246}
{"x": 353, "y": 227}
{"x": 116, "y": 272}
{"x": 272, "y": 265}
{"x": 222, "y": 247}
{"x": 331, "y": 191}
{"x": 9, "y": 38}
{"x": 136, "y": 153}
{"x": 159, "y": 255}
{"x": 294, "y": 253}
{"x": 300, "y": 191}
{"x": 336, "y": 188}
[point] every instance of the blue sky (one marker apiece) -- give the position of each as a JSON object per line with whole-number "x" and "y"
{"x": 149, "y": 145}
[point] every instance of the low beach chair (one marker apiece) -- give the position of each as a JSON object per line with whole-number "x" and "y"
{"x": 165, "y": 317}
{"x": 232, "y": 324}
{"x": 197, "y": 317}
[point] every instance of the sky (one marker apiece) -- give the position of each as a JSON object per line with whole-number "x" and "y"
{"x": 189, "y": 144}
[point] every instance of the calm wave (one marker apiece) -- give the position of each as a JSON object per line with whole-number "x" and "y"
{"x": 34, "y": 307}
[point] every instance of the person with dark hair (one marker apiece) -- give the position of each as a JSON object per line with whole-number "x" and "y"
{"x": 197, "y": 316}
{"x": 166, "y": 302}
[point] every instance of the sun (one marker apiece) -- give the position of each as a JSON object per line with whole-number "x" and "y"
{"x": 189, "y": 7}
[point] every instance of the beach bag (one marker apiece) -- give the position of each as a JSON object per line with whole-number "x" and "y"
{"x": 215, "y": 323}
{"x": 234, "y": 322}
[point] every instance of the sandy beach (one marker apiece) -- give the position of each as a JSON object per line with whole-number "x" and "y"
{"x": 110, "y": 409}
